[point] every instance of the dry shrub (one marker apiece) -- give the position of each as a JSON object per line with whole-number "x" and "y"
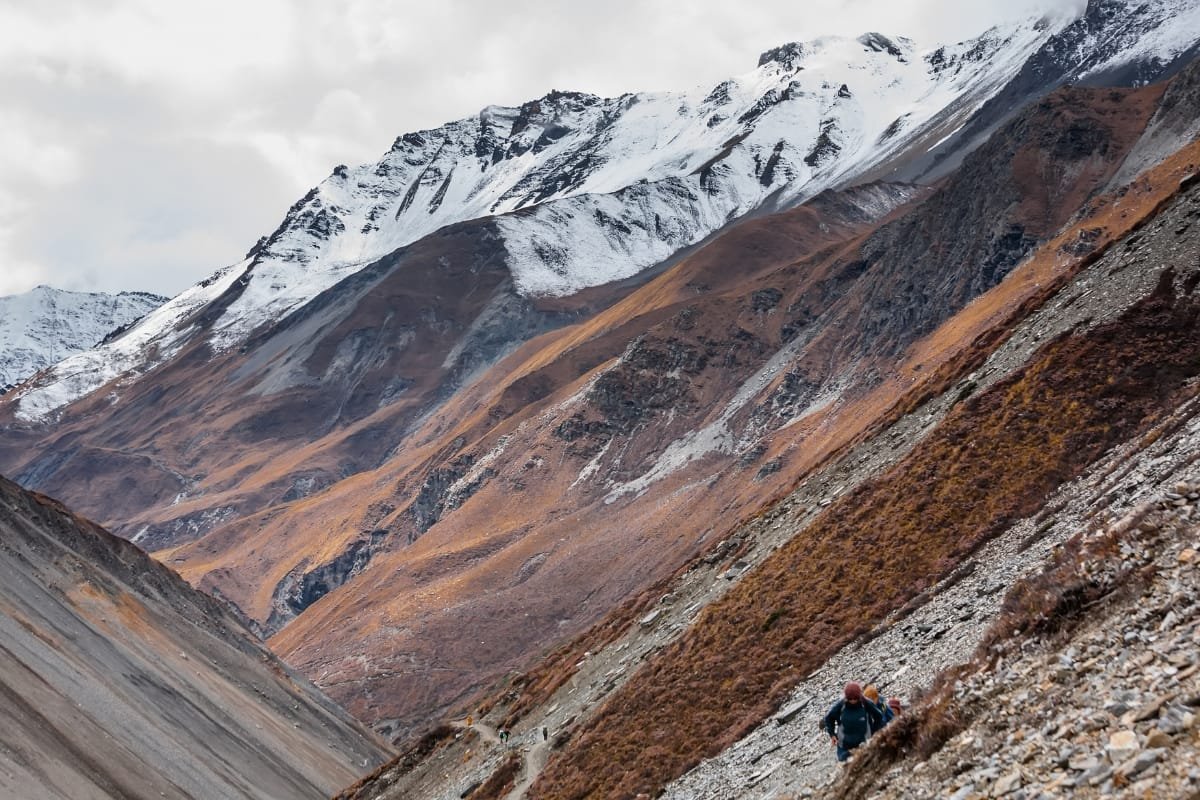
{"x": 500, "y": 782}
{"x": 1052, "y": 603}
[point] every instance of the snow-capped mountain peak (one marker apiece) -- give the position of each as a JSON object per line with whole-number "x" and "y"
{"x": 45, "y": 325}
{"x": 582, "y": 190}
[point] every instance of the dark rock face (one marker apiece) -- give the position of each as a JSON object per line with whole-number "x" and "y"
{"x": 768, "y": 173}
{"x": 881, "y": 44}
{"x": 765, "y": 299}
{"x": 787, "y": 56}
{"x": 823, "y": 150}
{"x": 1006, "y": 197}
{"x": 304, "y": 587}
{"x": 654, "y": 376}
{"x": 432, "y": 499}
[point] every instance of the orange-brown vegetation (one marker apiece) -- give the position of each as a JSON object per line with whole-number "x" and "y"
{"x": 1050, "y": 603}
{"x": 500, "y": 782}
{"x": 994, "y": 460}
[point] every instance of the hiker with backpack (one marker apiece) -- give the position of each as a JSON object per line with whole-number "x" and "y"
{"x": 851, "y": 720}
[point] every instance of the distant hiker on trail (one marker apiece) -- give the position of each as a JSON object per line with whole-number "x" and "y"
{"x": 504, "y": 736}
{"x": 470, "y": 719}
{"x": 872, "y": 694}
{"x": 851, "y": 720}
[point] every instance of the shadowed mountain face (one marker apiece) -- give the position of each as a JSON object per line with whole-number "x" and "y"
{"x": 418, "y": 474}
{"x": 118, "y": 680}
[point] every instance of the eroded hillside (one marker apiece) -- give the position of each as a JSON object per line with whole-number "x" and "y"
{"x": 121, "y": 681}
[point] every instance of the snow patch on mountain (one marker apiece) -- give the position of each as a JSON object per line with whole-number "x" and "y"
{"x": 1156, "y": 32}
{"x": 45, "y": 325}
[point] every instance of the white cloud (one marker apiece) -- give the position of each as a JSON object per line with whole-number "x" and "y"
{"x": 144, "y": 144}
{"x": 35, "y": 149}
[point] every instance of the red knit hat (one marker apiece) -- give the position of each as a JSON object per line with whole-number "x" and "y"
{"x": 853, "y": 691}
{"x": 894, "y": 704}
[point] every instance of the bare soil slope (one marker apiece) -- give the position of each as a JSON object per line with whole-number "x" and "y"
{"x": 119, "y": 680}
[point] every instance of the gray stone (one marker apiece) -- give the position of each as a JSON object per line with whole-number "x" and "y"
{"x": 1094, "y": 776}
{"x": 1140, "y": 763}
{"x": 650, "y": 618}
{"x": 789, "y": 712}
{"x": 1083, "y": 763}
{"x": 1009, "y": 783}
{"x": 1146, "y": 711}
{"x": 1176, "y": 720}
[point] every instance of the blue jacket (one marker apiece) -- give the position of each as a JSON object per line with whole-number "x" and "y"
{"x": 852, "y": 723}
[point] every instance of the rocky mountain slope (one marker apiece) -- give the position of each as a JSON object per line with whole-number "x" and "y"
{"x": 121, "y": 681}
{"x": 933, "y": 518}
{"x": 45, "y": 326}
{"x": 1130, "y": 666}
{"x": 504, "y": 389}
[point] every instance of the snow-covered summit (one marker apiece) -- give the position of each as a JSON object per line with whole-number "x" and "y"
{"x": 610, "y": 186}
{"x": 582, "y": 190}
{"x": 45, "y": 325}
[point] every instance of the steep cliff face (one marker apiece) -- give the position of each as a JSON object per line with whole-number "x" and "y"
{"x": 120, "y": 680}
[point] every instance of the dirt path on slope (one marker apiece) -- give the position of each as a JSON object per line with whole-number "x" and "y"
{"x": 535, "y": 761}
{"x": 485, "y": 731}
{"x": 535, "y": 756}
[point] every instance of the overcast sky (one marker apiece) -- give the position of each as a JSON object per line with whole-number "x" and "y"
{"x": 145, "y": 143}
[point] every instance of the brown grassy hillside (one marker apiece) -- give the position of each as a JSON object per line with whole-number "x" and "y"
{"x": 994, "y": 459}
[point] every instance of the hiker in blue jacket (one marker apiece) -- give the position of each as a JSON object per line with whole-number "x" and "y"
{"x": 851, "y": 720}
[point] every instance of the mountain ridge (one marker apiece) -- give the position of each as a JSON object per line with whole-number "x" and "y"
{"x": 691, "y": 160}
